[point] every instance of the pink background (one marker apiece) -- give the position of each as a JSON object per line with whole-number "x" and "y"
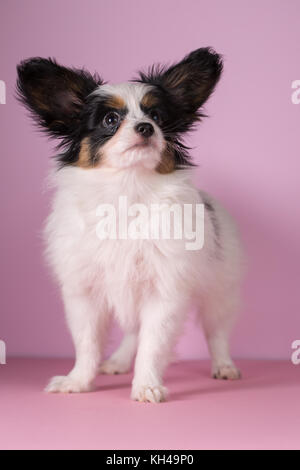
{"x": 248, "y": 150}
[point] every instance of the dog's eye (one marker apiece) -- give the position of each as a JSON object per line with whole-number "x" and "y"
{"x": 155, "y": 116}
{"x": 111, "y": 119}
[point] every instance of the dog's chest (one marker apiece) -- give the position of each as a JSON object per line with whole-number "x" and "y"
{"x": 96, "y": 241}
{"x": 117, "y": 246}
{"x": 125, "y": 270}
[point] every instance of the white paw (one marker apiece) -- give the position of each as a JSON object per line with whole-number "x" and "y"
{"x": 113, "y": 367}
{"x": 226, "y": 372}
{"x": 148, "y": 393}
{"x": 67, "y": 384}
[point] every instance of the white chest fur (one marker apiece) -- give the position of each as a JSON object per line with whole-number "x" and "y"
{"x": 121, "y": 271}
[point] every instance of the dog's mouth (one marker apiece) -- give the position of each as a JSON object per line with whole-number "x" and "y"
{"x": 141, "y": 144}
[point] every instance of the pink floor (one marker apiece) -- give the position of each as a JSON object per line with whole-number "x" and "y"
{"x": 262, "y": 411}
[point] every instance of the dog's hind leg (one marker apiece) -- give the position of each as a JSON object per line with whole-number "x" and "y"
{"x": 218, "y": 318}
{"x": 120, "y": 361}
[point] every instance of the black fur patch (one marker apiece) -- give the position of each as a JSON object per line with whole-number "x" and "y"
{"x": 182, "y": 89}
{"x": 56, "y": 97}
{"x": 168, "y": 117}
{"x": 96, "y": 108}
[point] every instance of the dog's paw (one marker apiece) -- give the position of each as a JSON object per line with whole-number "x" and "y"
{"x": 149, "y": 393}
{"x": 113, "y": 367}
{"x": 66, "y": 384}
{"x": 226, "y": 372}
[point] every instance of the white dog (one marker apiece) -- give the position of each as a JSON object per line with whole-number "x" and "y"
{"x": 125, "y": 141}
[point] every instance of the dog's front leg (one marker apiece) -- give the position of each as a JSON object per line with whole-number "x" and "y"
{"x": 161, "y": 320}
{"x": 87, "y": 325}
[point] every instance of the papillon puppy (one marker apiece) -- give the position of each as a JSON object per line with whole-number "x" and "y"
{"x": 123, "y": 143}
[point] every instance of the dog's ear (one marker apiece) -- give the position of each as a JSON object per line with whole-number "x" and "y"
{"x": 55, "y": 95}
{"x": 190, "y": 82}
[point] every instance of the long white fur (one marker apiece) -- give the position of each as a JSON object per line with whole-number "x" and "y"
{"x": 148, "y": 285}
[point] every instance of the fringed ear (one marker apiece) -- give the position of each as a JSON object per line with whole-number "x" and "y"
{"x": 188, "y": 83}
{"x": 55, "y": 95}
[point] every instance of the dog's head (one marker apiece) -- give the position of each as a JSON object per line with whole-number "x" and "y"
{"x": 139, "y": 123}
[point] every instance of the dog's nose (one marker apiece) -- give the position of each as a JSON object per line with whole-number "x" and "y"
{"x": 145, "y": 129}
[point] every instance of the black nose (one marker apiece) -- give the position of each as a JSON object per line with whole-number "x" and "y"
{"x": 145, "y": 129}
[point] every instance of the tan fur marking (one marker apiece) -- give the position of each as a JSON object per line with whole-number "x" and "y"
{"x": 149, "y": 100}
{"x": 115, "y": 102}
{"x": 167, "y": 163}
{"x": 84, "y": 160}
